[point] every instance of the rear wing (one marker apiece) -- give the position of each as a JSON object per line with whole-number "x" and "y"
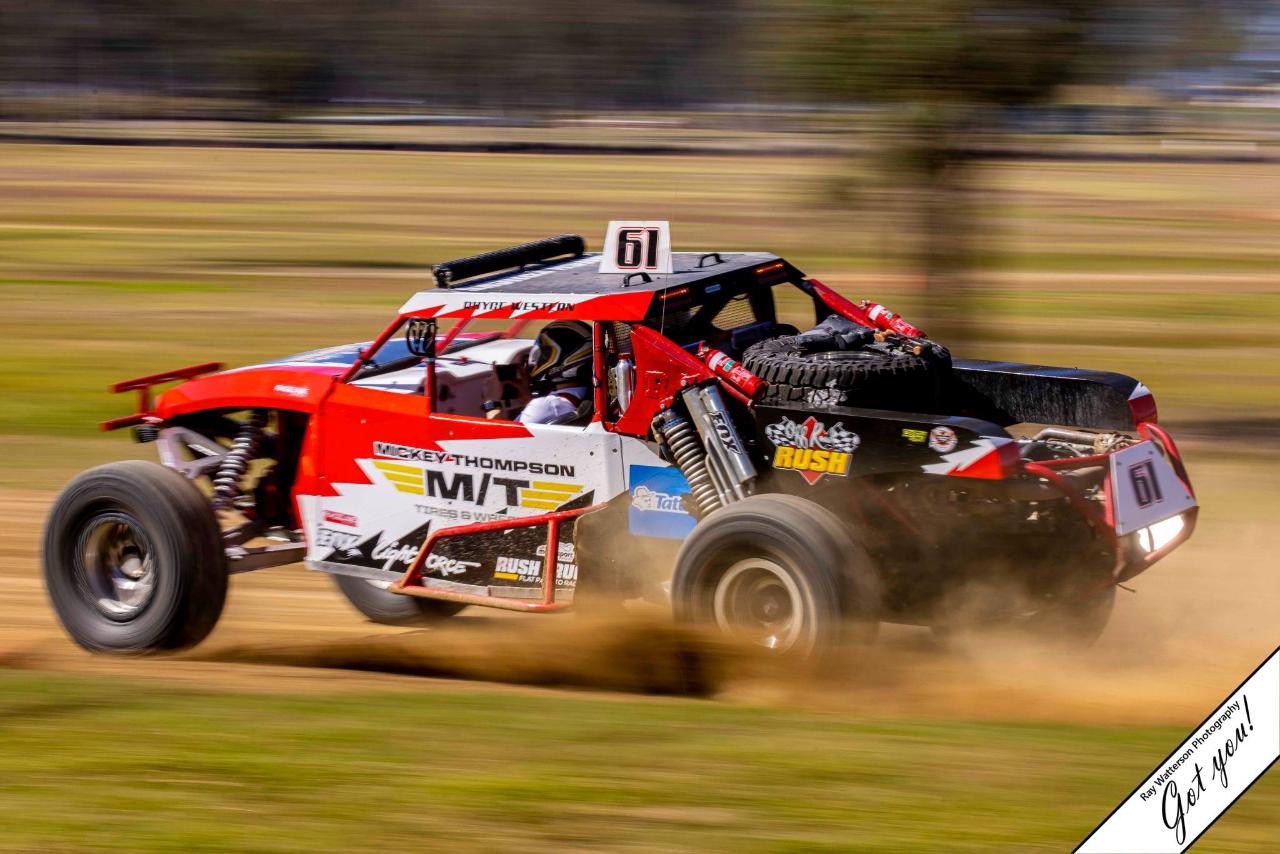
{"x": 142, "y": 385}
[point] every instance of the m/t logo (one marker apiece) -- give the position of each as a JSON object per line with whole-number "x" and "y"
{"x": 467, "y": 487}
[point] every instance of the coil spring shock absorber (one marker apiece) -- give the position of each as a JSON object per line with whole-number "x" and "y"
{"x": 690, "y": 457}
{"x": 228, "y": 483}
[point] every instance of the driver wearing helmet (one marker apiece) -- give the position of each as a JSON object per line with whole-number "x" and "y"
{"x": 560, "y": 363}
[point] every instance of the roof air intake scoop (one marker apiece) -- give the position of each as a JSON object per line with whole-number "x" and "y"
{"x": 537, "y": 252}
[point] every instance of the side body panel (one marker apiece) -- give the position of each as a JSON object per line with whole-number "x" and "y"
{"x": 389, "y": 474}
{"x": 830, "y": 446}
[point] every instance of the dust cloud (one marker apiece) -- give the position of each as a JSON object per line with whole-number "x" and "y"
{"x": 1196, "y": 625}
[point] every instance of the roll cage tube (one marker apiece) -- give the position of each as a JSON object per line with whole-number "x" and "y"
{"x": 449, "y": 345}
{"x": 360, "y": 368}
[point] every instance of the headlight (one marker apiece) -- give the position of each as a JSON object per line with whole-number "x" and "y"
{"x": 1159, "y": 535}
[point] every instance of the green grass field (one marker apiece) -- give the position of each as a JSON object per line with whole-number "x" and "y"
{"x": 116, "y": 262}
{"x": 94, "y": 763}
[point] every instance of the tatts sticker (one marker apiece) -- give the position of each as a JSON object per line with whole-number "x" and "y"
{"x": 657, "y": 503}
{"x": 811, "y": 448}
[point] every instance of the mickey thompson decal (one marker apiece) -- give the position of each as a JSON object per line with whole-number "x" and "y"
{"x": 422, "y": 455}
{"x": 811, "y": 448}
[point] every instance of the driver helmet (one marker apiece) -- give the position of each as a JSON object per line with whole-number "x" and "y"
{"x": 562, "y": 353}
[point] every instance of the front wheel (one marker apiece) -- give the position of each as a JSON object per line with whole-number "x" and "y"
{"x": 779, "y": 572}
{"x": 379, "y": 605}
{"x": 133, "y": 560}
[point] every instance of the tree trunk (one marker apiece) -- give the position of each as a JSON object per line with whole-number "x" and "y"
{"x": 946, "y": 223}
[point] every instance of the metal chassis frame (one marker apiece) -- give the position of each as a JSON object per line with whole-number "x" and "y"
{"x": 1126, "y": 565}
{"x": 411, "y": 584}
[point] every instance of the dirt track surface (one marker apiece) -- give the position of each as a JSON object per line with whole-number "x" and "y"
{"x": 1199, "y": 622}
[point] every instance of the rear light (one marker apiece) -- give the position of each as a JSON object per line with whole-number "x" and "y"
{"x": 771, "y": 274}
{"x": 1142, "y": 403}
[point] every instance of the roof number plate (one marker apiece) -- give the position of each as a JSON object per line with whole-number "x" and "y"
{"x": 637, "y": 247}
{"x": 1145, "y": 489}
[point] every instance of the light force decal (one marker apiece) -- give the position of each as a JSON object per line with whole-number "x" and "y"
{"x": 657, "y": 503}
{"x": 811, "y": 448}
{"x": 395, "y": 554}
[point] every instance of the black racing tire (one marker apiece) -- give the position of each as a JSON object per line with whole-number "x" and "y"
{"x": 807, "y": 584}
{"x": 799, "y": 374}
{"x": 133, "y": 560}
{"x": 1077, "y": 623}
{"x": 379, "y": 605}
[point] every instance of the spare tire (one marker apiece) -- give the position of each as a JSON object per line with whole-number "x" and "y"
{"x": 832, "y": 370}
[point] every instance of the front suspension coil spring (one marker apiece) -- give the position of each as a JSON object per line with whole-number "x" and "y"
{"x": 690, "y": 457}
{"x": 228, "y": 483}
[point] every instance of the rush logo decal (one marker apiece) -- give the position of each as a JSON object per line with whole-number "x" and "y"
{"x": 811, "y": 448}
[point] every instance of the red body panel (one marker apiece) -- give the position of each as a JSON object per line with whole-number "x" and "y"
{"x": 662, "y": 369}
{"x": 352, "y": 415}
{"x": 626, "y": 305}
{"x": 297, "y": 388}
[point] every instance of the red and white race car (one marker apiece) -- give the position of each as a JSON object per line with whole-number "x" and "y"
{"x": 803, "y": 484}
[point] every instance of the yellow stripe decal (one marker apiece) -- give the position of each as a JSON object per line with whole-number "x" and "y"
{"x": 546, "y": 496}
{"x": 539, "y": 505}
{"x": 400, "y": 468}
{"x": 569, "y": 488}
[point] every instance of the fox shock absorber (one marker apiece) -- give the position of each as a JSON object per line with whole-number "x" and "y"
{"x": 727, "y": 461}
{"x": 690, "y": 457}
{"x": 228, "y": 483}
{"x": 708, "y": 451}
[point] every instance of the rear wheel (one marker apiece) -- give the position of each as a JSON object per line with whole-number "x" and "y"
{"x": 133, "y": 560}
{"x": 1072, "y": 622}
{"x": 1077, "y": 623}
{"x": 778, "y": 572}
{"x": 393, "y": 609}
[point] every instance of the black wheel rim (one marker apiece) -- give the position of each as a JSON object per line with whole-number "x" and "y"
{"x": 758, "y": 601}
{"x": 115, "y": 567}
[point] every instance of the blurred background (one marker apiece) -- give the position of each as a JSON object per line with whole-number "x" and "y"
{"x": 1069, "y": 182}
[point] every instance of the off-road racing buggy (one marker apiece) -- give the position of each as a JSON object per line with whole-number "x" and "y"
{"x": 808, "y": 485}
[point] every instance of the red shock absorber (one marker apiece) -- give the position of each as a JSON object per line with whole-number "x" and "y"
{"x": 732, "y": 372}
